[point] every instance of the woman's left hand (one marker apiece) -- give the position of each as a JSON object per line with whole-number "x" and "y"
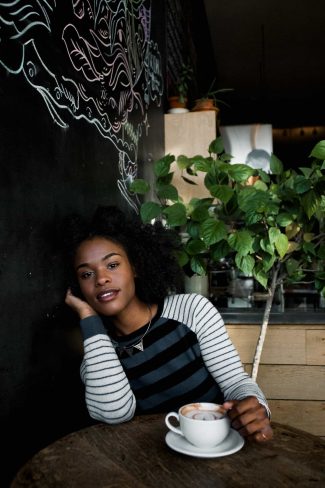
{"x": 249, "y": 418}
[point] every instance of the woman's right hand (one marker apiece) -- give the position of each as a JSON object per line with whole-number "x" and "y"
{"x": 82, "y": 308}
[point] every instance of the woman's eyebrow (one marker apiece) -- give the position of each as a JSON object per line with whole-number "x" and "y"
{"x": 85, "y": 265}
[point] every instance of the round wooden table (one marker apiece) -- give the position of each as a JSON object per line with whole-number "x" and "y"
{"x": 135, "y": 455}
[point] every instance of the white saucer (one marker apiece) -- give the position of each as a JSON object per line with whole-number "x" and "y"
{"x": 233, "y": 443}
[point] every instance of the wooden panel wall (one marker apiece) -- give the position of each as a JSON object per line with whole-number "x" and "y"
{"x": 291, "y": 372}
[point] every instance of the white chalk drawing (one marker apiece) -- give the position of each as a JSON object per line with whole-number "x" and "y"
{"x": 99, "y": 64}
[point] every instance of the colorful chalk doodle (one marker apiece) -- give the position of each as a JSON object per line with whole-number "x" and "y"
{"x": 88, "y": 59}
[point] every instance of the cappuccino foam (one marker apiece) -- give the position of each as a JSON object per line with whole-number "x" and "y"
{"x": 198, "y": 412}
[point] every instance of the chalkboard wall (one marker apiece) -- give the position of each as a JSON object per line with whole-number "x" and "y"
{"x": 82, "y": 90}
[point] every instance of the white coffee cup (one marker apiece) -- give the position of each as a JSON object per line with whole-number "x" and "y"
{"x": 203, "y": 424}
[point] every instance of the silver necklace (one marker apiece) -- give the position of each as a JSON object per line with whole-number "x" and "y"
{"x": 139, "y": 344}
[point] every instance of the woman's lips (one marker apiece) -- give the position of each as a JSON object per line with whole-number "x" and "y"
{"x": 106, "y": 295}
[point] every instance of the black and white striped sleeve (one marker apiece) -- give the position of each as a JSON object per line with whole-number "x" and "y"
{"x": 108, "y": 394}
{"x": 218, "y": 352}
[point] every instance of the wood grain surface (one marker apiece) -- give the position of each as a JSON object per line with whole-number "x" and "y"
{"x": 135, "y": 455}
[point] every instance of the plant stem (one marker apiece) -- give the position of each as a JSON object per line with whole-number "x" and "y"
{"x": 265, "y": 322}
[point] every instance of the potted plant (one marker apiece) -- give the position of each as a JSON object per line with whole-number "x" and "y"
{"x": 179, "y": 99}
{"x": 273, "y": 229}
{"x": 209, "y": 100}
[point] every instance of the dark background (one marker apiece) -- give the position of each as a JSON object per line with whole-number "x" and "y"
{"x": 272, "y": 53}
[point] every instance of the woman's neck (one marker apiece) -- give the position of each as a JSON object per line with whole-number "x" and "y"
{"x": 131, "y": 320}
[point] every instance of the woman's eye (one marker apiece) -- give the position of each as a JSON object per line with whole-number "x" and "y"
{"x": 85, "y": 275}
{"x": 112, "y": 265}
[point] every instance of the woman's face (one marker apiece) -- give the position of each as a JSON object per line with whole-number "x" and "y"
{"x": 105, "y": 276}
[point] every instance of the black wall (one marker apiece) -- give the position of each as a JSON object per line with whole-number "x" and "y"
{"x": 82, "y": 97}
{"x": 61, "y": 153}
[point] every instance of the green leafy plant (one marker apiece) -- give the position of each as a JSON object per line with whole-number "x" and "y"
{"x": 271, "y": 225}
{"x": 213, "y": 93}
{"x": 182, "y": 84}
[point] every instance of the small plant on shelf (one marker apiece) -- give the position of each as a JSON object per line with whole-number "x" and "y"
{"x": 210, "y": 99}
{"x": 181, "y": 87}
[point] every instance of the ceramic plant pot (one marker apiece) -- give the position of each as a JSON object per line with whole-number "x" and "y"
{"x": 202, "y": 104}
{"x": 175, "y": 106}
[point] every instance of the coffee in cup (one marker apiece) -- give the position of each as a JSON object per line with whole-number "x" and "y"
{"x": 203, "y": 424}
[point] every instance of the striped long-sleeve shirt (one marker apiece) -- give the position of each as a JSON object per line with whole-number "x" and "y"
{"x": 187, "y": 357}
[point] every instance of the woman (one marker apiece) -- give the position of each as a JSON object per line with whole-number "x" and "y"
{"x": 148, "y": 348}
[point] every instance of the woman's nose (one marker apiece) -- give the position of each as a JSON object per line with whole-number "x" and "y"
{"x": 103, "y": 277}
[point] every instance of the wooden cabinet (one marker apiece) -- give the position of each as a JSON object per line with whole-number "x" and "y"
{"x": 291, "y": 372}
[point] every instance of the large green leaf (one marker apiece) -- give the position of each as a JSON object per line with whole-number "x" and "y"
{"x": 195, "y": 246}
{"x": 216, "y": 146}
{"x": 268, "y": 261}
{"x": 139, "y": 186}
{"x": 183, "y": 162}
{"x": 251, "y": 200}
{"x": 301, "y": 184}
{"x": 273, "y": 232}
{"x": 260, "y": 185}
{"x": 222, "y": 192}
{"x": 219, "y": 250}
{"x": 306, "y": 172}
{"x": 309, "y": 248}
{"x": 241, "y": 241}
{"x": 253, "y": 217}
{"x": 213, "y": 231}
{"x": 276, "y": 165}
{"x": 200, "y": 213}
{"x": 211, "y": 178}
{"x": 281, "y": 243}
{"x": 202, "y": 164}
{"x": 150, "y": 211}
{"x": 168, "y": 192}
{"x": 310, "y": 202}
{"x": 265, "y": 177}
{"x": 279, "y": 240}
{"x": 198, "y": 265}
{"x": 240, "y": 172}
{"x": 245, "y": 263}
{"x": 182, "y": 257}
{"x": 193, "y": 229}
{"x": 260, "y": 275}
{"x": 175, "y": 214}
{"x": 319, "y": 150}
{"x": 166, "y": 179}
{"x": 284, "y": 219}
{"x": 162, "y": 166}
{"x": 267, "y": 246}
{"x": 291, "y": 265}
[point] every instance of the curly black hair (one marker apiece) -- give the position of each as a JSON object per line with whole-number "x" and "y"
{"x": 151, "y": 249}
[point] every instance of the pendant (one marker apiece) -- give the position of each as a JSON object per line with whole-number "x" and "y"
{"x": 139, "y": 345}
